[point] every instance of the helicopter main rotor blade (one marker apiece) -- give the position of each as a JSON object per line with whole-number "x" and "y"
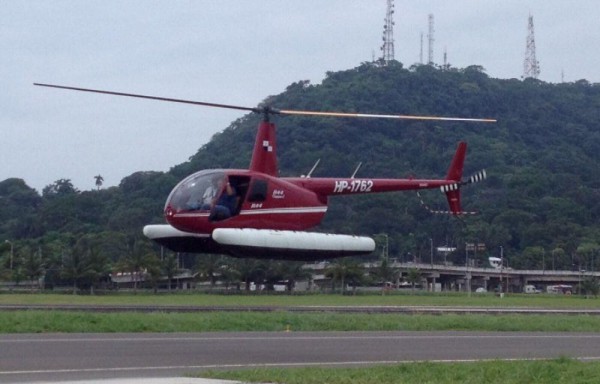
{"x": 268, "y": 110}
{"x": 375, "y": 116}
{"x": 150, "y": 97}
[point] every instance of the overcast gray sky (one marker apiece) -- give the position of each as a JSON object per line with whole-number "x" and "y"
{"x": 234, "y": 52}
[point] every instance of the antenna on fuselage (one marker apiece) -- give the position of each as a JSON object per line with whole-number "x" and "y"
{"x": 356, "y": 170}
{"x": 312, "y": 169}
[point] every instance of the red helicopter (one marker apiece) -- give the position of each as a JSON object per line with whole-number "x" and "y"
{"x": 255, "y": 213}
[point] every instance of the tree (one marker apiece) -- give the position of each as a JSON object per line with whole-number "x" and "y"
{"x": 170, "y": 267}
{"x": 75, "y": 267}
{"x": 344, "y": 271}
{"x": 531, "y": 258}
{"x": 33, "y": 265}
{"x": 17, "y": 272}
{"x": 19, "y": 206}
{"x": 590, "y": 286}
{"x": 61, "y": 187}
{"x": 586, "y": 254}
{"x": 91, "y": 264}
{"x": 208, "y": 267}
{"x": 137, "y": 257}
{"x": 383, "y": 274}
{"x": 229, "y": 273}
{"x": 291, "y": 272}
{"x": 99, "y": 181}
{"x": 153, "y": 271}
{"x": 413, "y": 277}
{"x": 559, "y": 259}
{"x": 99, "y": 268}
{"x": 248, "y": 270}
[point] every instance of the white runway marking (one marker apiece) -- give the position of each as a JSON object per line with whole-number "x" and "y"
{"x": 278, "y": 365}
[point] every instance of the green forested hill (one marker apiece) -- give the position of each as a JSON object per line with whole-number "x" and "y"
{"x": 542, "y": 196}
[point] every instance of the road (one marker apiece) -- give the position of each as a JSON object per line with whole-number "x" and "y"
{"x": 49, "y": 357}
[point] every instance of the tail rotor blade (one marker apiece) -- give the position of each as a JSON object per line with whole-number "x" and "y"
{"x": 477, "y": 177}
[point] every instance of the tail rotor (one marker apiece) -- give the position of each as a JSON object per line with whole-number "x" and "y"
{"x": 455, "y": 182}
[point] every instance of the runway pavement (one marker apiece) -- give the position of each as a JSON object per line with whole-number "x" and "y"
{"x": 54, "y": 357}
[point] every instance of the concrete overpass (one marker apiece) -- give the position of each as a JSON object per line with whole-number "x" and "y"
{"x": 460, "y": 278}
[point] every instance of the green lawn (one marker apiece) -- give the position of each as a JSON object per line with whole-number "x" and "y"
{"x": 563, "y": 371}
{"x": 201, "y": 299}
{"x": 67, "y": 321}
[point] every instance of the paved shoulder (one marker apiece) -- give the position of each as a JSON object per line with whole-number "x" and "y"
{"x": 173, "y": 380}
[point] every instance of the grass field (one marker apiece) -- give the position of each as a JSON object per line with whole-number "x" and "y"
{"x": 37, "y": 321}
{"x": 563, "y": 371}
{"x": 201, "y": 299}
{"x": 62, "y": 321}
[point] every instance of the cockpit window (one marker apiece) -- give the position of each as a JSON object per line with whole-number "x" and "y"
{"x": 196, "y": 192}
{"x": 258, "y": 191}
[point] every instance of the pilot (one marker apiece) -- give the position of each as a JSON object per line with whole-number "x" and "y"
{"x": 226, "y": 204}
{"x": 210, "y": 194}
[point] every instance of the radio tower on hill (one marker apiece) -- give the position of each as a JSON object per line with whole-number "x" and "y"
{"x": 430, "y": 40}
{"x": 388, "y": 34}
{"x": 531, "y": 67}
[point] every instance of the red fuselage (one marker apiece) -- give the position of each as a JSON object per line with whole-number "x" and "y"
{"x": 264, "y": 202}
{"x": 268, "y": 202}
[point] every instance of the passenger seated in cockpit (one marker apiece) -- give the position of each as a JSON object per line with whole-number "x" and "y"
{"x": 203, "y": 192}
{"x": 210, "y": 194}
{"x": 226, "y": 204}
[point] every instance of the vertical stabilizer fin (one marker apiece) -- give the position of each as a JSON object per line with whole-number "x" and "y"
{"x": 455, "y": 172}
{"x": 264, "y": 156}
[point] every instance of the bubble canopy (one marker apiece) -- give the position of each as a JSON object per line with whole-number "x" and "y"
{"x": 196, "y": 192}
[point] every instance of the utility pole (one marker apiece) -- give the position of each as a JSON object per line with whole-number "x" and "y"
{"x": 388, "y": 34}
{"x": 531, "y": 67}
{"x": 11, "y": 253}
{"x": 431, "y": 251}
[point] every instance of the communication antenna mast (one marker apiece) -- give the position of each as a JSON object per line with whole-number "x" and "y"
{"x": 445, "y": 58}
{"x": 430, "y": 39}
{"x": 388, "y": 34}
{"x": 531, "y": 67}
{"x": 421, "y": 54}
